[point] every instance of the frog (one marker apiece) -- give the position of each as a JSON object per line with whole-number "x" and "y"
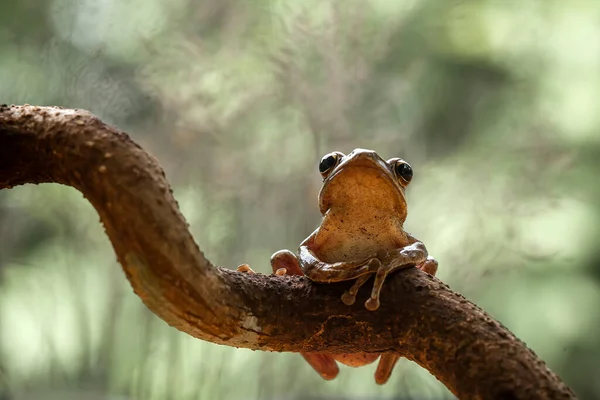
{"x": 363, "y": 204}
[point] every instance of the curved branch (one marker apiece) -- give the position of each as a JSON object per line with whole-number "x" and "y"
{"x": 420, "y": 317}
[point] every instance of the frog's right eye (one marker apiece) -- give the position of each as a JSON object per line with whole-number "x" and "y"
{"x": 329, "y": 162}
{"x": 402, "y": 170}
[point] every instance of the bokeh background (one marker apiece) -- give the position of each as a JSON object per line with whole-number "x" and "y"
{"x": 495, "y": 103}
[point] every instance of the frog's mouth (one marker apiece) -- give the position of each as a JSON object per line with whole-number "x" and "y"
{"x": 363, "y": 183}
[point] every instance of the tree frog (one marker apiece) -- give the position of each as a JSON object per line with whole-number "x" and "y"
{"x": 364, "y": 207}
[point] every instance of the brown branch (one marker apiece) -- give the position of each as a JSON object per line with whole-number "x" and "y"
{"x": 420, "y": 317}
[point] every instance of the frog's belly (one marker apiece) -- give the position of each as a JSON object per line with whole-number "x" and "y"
{"x": 361, "y": 247}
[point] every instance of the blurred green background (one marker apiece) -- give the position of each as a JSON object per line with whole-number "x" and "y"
{"x": 493, "y": 102}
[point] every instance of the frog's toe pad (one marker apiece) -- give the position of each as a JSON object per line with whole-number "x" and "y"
{"x": 348, "y": 298}
{"x": 245, "y": 268}
{"x": 281, "y": 271}
{"x": 430, "y": 266}
{"x": 372, "y": 304}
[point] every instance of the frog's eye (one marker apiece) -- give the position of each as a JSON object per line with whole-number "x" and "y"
{"x": 402, "y": 169}
{"x": 329, "y": 162}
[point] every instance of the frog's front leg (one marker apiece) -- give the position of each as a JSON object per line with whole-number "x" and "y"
{"x": 321, "y": 271}
{"x": 430, "y": 265}
{"x": 414, "y": 254}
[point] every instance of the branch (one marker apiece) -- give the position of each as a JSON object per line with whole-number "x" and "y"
{"x": 420, "y": 317}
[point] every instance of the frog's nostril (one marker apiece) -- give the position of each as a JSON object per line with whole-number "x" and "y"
{"x": 365, "y": 152}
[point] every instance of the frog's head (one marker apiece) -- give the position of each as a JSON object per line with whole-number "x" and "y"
{"x": 363, "y": 182}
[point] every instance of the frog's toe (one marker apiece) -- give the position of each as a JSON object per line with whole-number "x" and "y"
{"x": 372, "y": 304}
{"x": 245, "y": 268}
{"x": 430, "y": 266}
{"x": 348, "y": 298}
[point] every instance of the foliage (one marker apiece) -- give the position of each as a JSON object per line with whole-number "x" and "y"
{"x": 491, "y": 101}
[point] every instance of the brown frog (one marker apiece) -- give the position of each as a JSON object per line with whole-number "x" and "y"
{"x": 364, "y": 207}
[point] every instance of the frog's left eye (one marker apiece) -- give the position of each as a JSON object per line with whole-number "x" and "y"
{"x": 329, "y": 162}
{"x": 402, "y": 169}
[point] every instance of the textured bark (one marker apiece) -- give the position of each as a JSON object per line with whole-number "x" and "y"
{"x": 420, "y": 317}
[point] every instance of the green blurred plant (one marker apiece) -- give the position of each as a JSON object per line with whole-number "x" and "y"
{"x": 492, "y": 102}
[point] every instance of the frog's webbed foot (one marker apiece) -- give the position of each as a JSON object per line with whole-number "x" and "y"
{"x": 414, "y": 254}
{"x": 344, "y": 271}
{"x": 326, "y": 272}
